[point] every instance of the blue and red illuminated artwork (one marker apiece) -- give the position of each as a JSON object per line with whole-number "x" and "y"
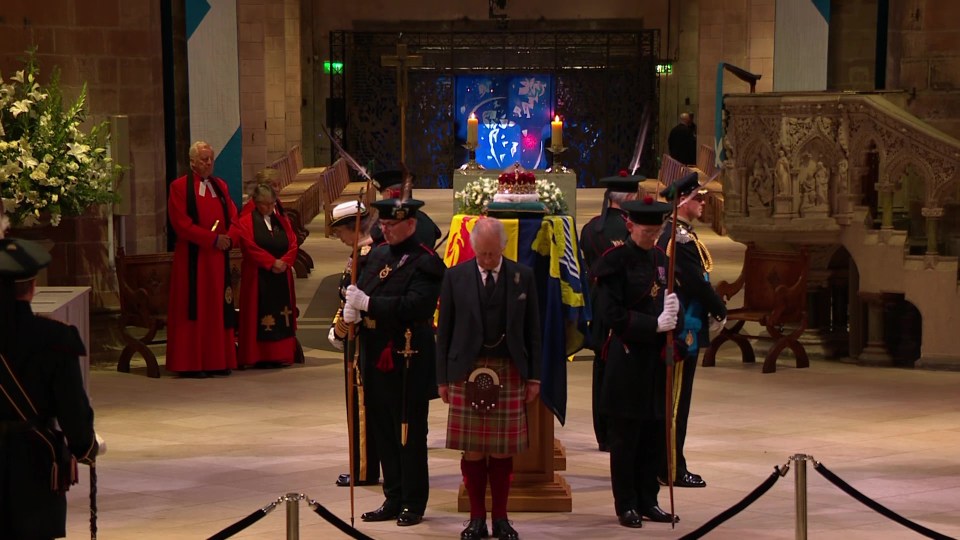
{"x": 514, "y": 113}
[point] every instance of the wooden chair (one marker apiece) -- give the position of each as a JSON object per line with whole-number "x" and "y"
{"x": 774, "y": 285}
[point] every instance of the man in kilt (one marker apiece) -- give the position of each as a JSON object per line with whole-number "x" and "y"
{"x": 488, "y": 368}
{"x": 394, "y": 301}
{"x": 633, "y": 315}
{"x": 343, "y": 225}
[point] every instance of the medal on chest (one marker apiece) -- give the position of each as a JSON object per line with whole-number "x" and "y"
{"x": 654, "y": 290}
{"x": 385, "y": 272}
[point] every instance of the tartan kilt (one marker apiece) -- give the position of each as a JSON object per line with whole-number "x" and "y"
{"x": 502, "y": 430}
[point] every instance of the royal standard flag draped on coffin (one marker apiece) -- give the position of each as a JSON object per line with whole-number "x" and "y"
{"x": 549, "y": 246}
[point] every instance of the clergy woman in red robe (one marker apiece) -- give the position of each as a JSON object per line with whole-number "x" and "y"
{"x": 200, "y": 313}
{"x": 267, "y": 300}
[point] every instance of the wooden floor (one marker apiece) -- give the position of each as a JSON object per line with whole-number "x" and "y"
{"x": 190, "y": 457}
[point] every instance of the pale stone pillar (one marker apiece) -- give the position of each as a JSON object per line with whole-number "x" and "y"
{"x": 875, "y": 353}
{"x": 885, "y": 191}
{"x": 932, "y": 216}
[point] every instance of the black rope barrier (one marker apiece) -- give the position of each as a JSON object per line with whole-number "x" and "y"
{"x": 93, "y": 500}
{"x": 340, "y": 524}
{"x": 243, "y": 523}
{"x": 737, "y": 508}
{"x": 875, "y": 506}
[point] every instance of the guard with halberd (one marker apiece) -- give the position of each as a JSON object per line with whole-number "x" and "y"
{"x": 601, "y": 233}
{"x": 703, "y": 309}
{"x": 633, "y": 316}
{"x": 343, "y": 225}
{"x": 394, "y": 303}
{"x": 389, "y": 183}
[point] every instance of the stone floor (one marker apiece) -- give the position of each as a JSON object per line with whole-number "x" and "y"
{"x": 190, "y": 457}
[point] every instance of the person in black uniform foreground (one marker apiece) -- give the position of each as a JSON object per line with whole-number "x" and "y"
{"x": 601, "y": 233}
{"x": 366, "y": 462}
{"x": 394, "y": 300}
{"x": 42, "y": 384}
{"x": 633, "y": 314}
{"x": 701, "y": 305}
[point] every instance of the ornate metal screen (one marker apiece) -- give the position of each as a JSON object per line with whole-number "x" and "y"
{"x": 602, "y": 82}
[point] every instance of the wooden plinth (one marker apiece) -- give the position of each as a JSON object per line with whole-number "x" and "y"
{"x": 536, "y": 486}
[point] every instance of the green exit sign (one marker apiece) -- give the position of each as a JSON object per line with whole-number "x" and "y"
{"x": 664, "y": 69}
{"x": 332, "y": 67}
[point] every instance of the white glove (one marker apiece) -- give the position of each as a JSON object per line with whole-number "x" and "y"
{"x": 351, "y": 314}
{"x": 101, "y": 444}
{"x": 357, "y": 298}
{"x": 668, "y": 318}
{"x": 716, "y": 326}
{"x": 332, "y": 338}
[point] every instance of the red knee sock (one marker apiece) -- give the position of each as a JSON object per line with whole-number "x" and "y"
{"x": 475, "y": 480}
{"x": 500, "y": 472}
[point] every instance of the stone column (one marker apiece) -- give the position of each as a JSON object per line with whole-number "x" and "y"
{"x": 875, "y": 353}
{"x": 932, "y": 217}
{"x": 885, "y": 190}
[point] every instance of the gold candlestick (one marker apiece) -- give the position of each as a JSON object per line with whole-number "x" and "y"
{"x": 555, "y": 165}
{"x": 472, "y": 164}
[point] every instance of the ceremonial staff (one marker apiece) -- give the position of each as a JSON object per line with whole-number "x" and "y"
{"x": 669, "y": 356}
{"x": 352, "y": 374}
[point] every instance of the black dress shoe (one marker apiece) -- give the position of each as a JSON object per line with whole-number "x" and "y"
{"x": 344, "y": 481}
{"x": 631, "y": 519}
{"x": 690, "y": 480}
{"x": 655, "y": 513}
{"x": 193, "y": 375}
{"x": 408, "y": 517}
{"x": 384, "y": 513}
{"x": 223, "y": 372}
{"x": 504, "y": 531}
{"x": 476, "y": 529}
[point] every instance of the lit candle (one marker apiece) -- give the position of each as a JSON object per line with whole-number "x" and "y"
{"x": 472, "y": 124}
{"x": 556, "y": 132}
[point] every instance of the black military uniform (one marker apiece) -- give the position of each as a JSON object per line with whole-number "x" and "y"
{"x": 630, "y": 284}
{"x": 601, "y": 233}
{"x": 43, "y": 355}
{"x": 700, "y": 303}
{"x": 403, "y": 283}
{"x": 366, "y": 461}
{"x": 388, "y": 183}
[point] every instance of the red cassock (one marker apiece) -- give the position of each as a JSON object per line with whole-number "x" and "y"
{"x": 257, "y": 262}
{"x": 204, "y": 343}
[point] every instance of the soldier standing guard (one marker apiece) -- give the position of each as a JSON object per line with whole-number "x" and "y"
{"x": 394, "y": 302}
{"x": 601, "y": 233}
{"x": 366, "y": 462}
{"x": 700, "y": 304}
{"x": 633, "y": 314}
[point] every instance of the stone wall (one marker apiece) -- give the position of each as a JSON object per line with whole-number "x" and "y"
{"x": 113, "y": 47}
{"x": 923, "y": 58}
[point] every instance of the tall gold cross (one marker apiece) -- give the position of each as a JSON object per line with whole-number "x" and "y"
{"x": 286, "y": 315}
{"x": 402, "y": 61}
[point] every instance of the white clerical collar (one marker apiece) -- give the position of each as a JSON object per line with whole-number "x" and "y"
{"x": 204, "y": 186}
{"x": 268, "y": 221}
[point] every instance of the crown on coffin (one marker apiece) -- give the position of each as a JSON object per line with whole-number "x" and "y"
{"x": 517, "y": 182}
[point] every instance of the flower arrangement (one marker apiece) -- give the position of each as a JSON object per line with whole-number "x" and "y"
{"x": 476, "y": 195}
{"x": 48, "y": 164}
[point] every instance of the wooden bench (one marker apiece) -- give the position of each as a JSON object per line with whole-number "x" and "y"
{"x": 144, "y": 292}
{"x": 337, "y": 188}
{"x": 774, "y": 285}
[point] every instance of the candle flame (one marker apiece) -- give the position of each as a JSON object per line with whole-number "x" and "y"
{"x": 473, "y": 116}
{"x": 556, "y": 118}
